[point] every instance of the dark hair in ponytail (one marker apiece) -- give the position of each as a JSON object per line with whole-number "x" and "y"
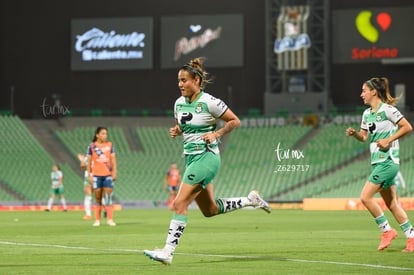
{"x": 380, "y": 84}
{"x": 195, "y": 68}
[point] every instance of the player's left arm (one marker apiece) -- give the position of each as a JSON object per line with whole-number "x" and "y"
{"x": 89, "y": 169}
{"x": 60, "y": 179}
{"x": 114, "y": 166}
{"x": 404, "y": 127}
{"x": 232, "y": 122}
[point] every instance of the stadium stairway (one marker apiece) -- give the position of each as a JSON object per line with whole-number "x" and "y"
{"x": 325, "y": 136}
{"x": 306, "y": 138}
{"x": 43, "y": 130}
{"x": 6, "y": 193}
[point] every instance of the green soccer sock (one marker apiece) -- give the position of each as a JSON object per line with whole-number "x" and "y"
{"x": 408, "y": 229}
{"x": 382, "y": 223}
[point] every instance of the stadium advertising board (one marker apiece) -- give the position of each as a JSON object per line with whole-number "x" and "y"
{"x": 372, "y": 34}
{"x": 219, "y": 38}
{"x": 111, "y": 44}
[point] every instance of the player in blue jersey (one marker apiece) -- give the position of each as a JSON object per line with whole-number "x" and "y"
{"x": 196, "y": 113}
{"x": 382, "y": 125}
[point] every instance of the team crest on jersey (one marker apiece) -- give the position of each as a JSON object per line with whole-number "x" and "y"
{"x": 199, "y": 108}
{"x": 379, "y": 118}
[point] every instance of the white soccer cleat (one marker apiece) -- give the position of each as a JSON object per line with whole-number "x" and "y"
{"x": 160, "y": 255}
{"x": 96, "y": 223}
{"x": 111, "y": 223}
{"x": 257, "y": 201}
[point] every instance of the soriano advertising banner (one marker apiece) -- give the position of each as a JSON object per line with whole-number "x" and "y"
{"x": 372, "y": 34}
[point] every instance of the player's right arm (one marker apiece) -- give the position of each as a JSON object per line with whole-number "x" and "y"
{"x": 362, "y": 135}
{"x": 82, "y": 164}
{"x": 165, "y": 184}
{"x": 176, "y": 130}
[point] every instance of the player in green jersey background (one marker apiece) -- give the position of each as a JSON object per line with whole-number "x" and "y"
{"x": 382, "y": 125}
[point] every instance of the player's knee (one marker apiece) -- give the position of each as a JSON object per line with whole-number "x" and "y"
{"x": 210, "y": 212}
{"x": 364, "y": 200}
{"x": 393, "y": 205}
{"x": 179, "y": 206}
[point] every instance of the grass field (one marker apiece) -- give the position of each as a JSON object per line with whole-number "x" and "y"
{"x": 242, "y": 242}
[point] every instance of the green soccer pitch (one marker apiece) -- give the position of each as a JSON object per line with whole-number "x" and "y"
{"x": 242, "y": 242}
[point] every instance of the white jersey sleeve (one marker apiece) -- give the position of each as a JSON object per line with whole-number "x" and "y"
{"x": 216, "y": 106}
{"x": 393, "y": 114}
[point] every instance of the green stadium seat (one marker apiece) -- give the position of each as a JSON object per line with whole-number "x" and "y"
{"x": 249, "y": 162}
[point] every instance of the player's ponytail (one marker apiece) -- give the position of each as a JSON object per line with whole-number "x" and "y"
{"x": 381, "y": 85}
{"x": 195, "y": 68}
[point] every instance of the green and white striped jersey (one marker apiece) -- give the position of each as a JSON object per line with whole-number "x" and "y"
{"x": 198, "y": 118}
{"x": 380, "y": 125}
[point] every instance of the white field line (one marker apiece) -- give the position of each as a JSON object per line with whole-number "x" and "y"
{"x": 211, "y": 255}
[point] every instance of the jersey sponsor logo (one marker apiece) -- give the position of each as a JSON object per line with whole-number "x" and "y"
{"x": 185, "y": 117}
{"x": 371, "y": 127}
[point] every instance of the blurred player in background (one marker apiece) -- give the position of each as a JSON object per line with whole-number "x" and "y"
{"x": 196, "y": 113}
{"x": 172, "y": 181}
{"x": 87, "y": 187}
{"x": 57, "y": 188}
{"x": 102, "y": 173}
{"x": 382, "y": 125}
{"x": 400, "y": 183}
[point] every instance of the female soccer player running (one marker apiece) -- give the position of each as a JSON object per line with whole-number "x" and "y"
{"x": 382, "y": 124}
{"x": 196, "y": 113}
